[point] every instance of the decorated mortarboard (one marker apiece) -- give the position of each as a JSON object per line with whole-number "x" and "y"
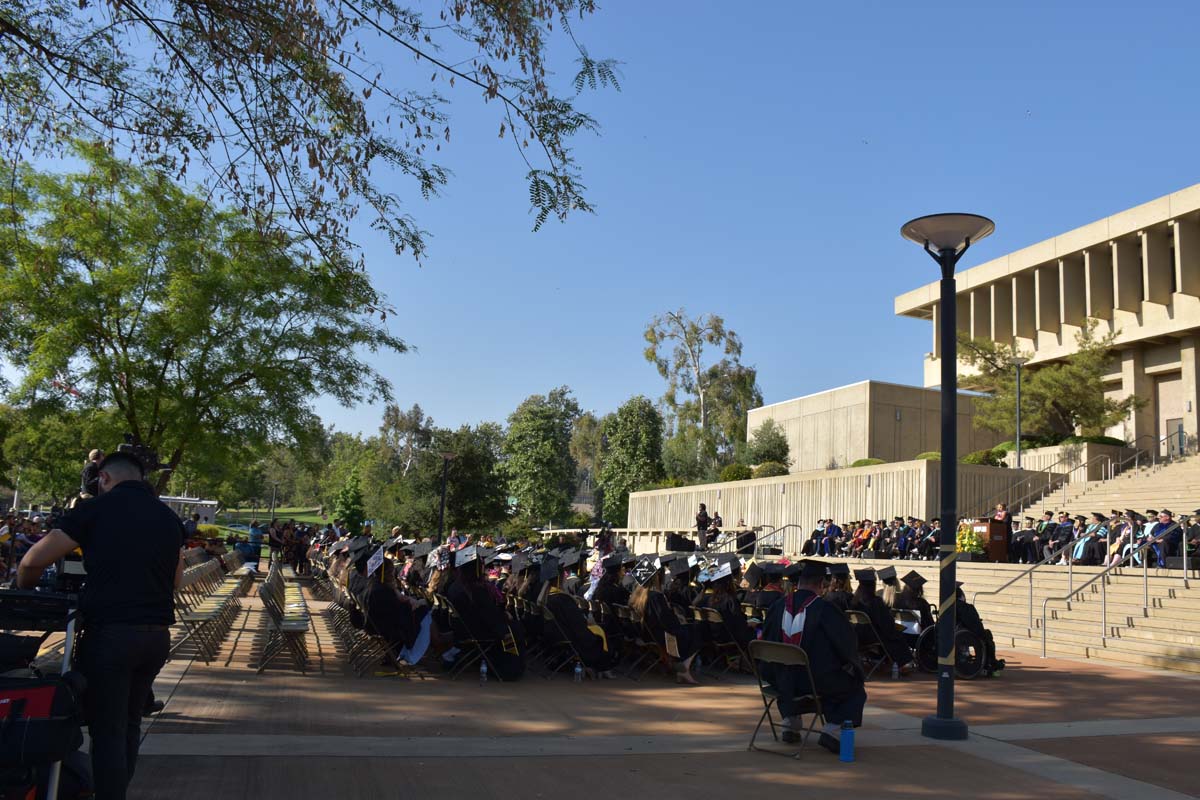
{"x": 466, "y": 555}
{"x": 723, "y": 570}
{"x": 504, "y": 557}
{"x": 867, "y": 575}
{"x": 444, "y": 557}
{"x": 645, "y": 567}
{"x": 887, "y": 574}
{"x": 914, "y": 579}
{"x": 549, "y": 569}
{"x": 839, "y": 569}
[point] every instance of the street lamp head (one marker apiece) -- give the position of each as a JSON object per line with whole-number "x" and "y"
{"x": 947, "y": 232}
{"x": 1019, "y": 361}
{"x": 449, "y": 456}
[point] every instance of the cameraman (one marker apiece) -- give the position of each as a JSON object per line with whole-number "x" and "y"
{"x": 131, "y": 550}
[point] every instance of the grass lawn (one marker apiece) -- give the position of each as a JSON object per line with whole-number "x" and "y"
{"x": 308, "y": 515}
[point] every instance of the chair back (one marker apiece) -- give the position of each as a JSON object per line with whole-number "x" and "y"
{"x": 781, "y": 653}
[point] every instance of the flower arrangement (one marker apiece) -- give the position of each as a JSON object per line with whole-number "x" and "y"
{"x": 969, "y": 541}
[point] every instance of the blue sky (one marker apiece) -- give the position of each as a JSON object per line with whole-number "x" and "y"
{"x": 758, "y": 164}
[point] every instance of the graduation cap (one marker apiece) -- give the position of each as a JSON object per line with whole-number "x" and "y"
{"x": 887, "y": 574}
{"x": 839, "y": 569}
{"x": 724, "y": 570}
{"x": 1096, "y": 515}
{"x": 914, "y": 579}
{"x": 359, "y": 546}
{"x": 753, "y": 575}
{"x": 1150, "y": 512}
{"x": 1080, "y": 518}
{"x": 1029, "y": 519}
{"x": 772, "y": 570}
{"x": 339, "y": 547}
{"x": 866, "y": 575}
{"x": 1167, "y": 512}
{"x": 419, "y": 549}
{"x": 520, "y": 562}
{"x": 677, "y": 567}
{"x": 569, "y": 558}
{"x": 549, "y": 569}
{"x": 807, "y": 569}
{"x": 465, "y": 556}
{"x": 613, "y": 561}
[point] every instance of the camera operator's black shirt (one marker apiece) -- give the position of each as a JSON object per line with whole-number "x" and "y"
{"x": 130, "y": 541}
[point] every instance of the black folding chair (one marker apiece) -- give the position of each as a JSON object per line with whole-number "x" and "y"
{"x": 870, "y": 645}
{"x": 784, "y": 656}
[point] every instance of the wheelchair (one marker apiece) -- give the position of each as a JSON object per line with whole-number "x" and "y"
{"x": 970, "y": 653}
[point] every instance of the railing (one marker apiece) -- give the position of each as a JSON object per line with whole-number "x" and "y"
{"x": 1029, "y": 572}
{"x": 1157, "y": 446}
{"x": 772, "y": 538}
{"x": 1139, "y": 549}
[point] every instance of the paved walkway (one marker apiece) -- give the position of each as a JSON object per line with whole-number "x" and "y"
{"x": 1047, "y": 728}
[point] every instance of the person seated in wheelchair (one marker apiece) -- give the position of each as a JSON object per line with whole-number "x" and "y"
{"x": 589, "y": 641}
{"x": 967, "y": 618}
{"x": 803, "y": 618}
{"x": 867, "y": 601}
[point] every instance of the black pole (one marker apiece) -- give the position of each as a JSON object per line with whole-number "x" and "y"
{"x": 944, "y": 725}
{"x": 442, "y": 515}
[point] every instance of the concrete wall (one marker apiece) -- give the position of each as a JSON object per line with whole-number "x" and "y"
{"x": 870, "y": 419}
{"x": 910, "y": 487}
{"x": 1078, "y": 462}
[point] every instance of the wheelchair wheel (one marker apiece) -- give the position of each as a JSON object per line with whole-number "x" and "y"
{"x": 927, "y": 649}
{"x": 969, "y": 655}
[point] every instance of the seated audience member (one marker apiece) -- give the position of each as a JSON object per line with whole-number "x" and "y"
{"x": 680, "y": 641}
{"x": 928, "y": 546}
{"x": 967, "y": 617}
{"x": 912, "y": 597}
{"x": 804, "y": 619}
{"x": 770, "y": 588}
{"x": 400, "y": 621}
{"x": 483, "y": 618}
{"x": 589, "y": 641}
{"x": 839, "y": 593}
{"x": 867, "y": 601}
{"x": 721, "y": 595}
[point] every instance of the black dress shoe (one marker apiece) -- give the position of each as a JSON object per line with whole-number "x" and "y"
{"x": 790, "y": 736}
{"x": 830, "y": 743}
{"x": 153, "y": 708}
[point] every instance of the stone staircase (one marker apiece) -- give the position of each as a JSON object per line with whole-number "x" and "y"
{"x": 1166, "y": 636}
{"x": 1174, "y": 485}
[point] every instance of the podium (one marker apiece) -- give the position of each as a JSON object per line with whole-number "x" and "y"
{"x": 995, "y": 535}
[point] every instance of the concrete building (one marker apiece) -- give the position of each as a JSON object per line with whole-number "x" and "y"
{"x": 869, "y": 419}
{"x": 1136, "y": 273}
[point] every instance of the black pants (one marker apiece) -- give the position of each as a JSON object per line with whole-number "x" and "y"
{"x": 119, "y": 662}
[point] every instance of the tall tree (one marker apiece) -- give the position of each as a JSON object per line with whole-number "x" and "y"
{"x": 769, "y": 443}
{"x": 405, "y": 434}
{"x": 201, "y": 329}
{"x": 349, "y": 505}
{"x": 586, "y": 444}
{"x": 476, "y": 493}
{"x": 683, "y": 367}
{"x": 632, "y": 456}
{"x": 287, "y": 111}
{"x": 1057, "y": 399}
{"x": 537, "y": 449}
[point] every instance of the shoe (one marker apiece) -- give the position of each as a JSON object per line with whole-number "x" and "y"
{"x": 830, "y": 743}
{"x": 153, "y": 708}
{"x": 789, "y": 736}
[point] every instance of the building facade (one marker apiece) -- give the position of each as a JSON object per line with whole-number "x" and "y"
{"x": 1136, "y": 273}
{"x": 869, "y": 419}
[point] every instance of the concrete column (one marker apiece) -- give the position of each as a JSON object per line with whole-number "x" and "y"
{"x": 1002, "y": 311}
{"x": 1127, "y": 274}
{"x": 1024, "y": 308}
{"x": 1158, "y": 273}
{"x": 963, "y": 319}
{"x": 1135, "y": 381}
{"x": 981, "y": 313}
{"x": 1046, "y": 291}
{"x": 1189, "y": 356}
{"x": 1187, "y": 256}
{"x": 1098, "y": 280}
{"x": 1072, "y": 291}
{"x": 937, "y": 330}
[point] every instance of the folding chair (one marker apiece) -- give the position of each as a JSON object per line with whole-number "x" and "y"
{"x": 558, "y": 647}
{"x": 723, "y": 642}
{"x": 473, "y": 649}
{"x": 870, "y": 645}
{"x": 784, "y": 656}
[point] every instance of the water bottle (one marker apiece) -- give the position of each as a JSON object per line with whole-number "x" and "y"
{"x": 847, "y": 750}
{"x": 578, "y": 672}
{"x": 483, "y": 670}
{"x": 895, "y": 671}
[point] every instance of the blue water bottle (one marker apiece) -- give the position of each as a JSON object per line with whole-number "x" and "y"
{"x": 847, "y": 752}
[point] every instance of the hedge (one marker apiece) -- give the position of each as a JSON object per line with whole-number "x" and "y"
{"x": 932, "y": 455}
{"x": 770, "y": 469}
{"x": 736, "y": 472}
{"x": 868, "y": 462}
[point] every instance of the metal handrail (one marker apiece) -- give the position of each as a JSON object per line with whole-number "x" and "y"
{"x": 1004, "y": 496}
{"x": 1029, "y": 572}
{"x": 1104, "y": 585}
{"x": 1158, "y": 442}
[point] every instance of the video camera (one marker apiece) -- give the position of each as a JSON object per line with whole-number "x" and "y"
{"x": 146, "y": 456}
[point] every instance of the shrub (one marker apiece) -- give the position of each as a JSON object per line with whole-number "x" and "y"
{"x": 736, "y": 472}
{"x": 209, "y": 532}
{"x": 932, "y": 455}
{"x": 987, "y": 457}
{"x": 868, "y": 462}
{"x": 1112, "y": 440}
{"x": 770, "y": 469}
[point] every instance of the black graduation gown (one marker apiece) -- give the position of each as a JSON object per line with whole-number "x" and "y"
{"x": 762, "y": 599}
{"x": 486, "y": 621}
{"x": 966, "y": 616}
{"x": 839, "y": 600}
{"x": 574, "y": 626}
{"x": 731, "y": 614}
{"x": 832, "y": 649}
{"x": 885, "y": 626}
{"x": 388, "y": 616}
{"x": 906, "y": 601}
{"x": 573, "y": 586}
{"x": 660, "y": 620}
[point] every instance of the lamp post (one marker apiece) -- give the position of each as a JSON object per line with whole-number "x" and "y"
{"x": 1018, "y": 362}
{"x": 446, "y": 459}
{"x": 946, "y": 237}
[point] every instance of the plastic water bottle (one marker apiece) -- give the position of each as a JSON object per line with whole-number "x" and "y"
{"x": 895, "y": 671}
{"x": 483, "y": 670}
{"x": 578, "y": 672}
{"x": 847, "y": 750}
